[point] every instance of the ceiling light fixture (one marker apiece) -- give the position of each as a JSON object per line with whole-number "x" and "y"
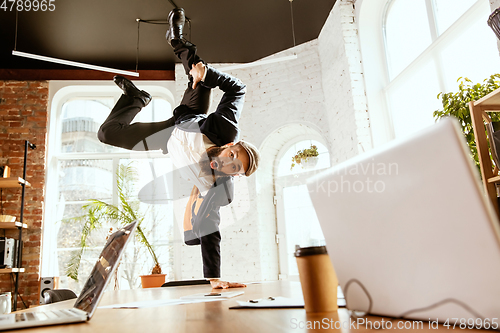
{"x": 271, "y": 60}
{"x": 67, "y": 62}
{"x": 73, "y": 63}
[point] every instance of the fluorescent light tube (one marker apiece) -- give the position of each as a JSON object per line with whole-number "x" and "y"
{"x": 258, "y": 63}
{"x": 73, "y": 63}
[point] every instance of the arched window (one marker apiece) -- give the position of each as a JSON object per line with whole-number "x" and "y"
{"x": 82, "y": 168}
{"x": 297, "y": 220}
{"x": 420, "y": 49}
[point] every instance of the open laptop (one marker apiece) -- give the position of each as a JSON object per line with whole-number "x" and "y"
{"x": 89, "y": 298}
{"x": 410, "y": 232}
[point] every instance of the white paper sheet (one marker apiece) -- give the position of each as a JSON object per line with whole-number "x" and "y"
{"x": 157, "y": 303}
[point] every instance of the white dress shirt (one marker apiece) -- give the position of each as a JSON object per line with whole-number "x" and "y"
{"x": 186, "y": 149}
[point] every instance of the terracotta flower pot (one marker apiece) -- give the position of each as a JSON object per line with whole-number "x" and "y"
{"x": 153, "y": 280}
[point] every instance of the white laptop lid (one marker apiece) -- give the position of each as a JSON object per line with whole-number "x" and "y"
{"x": 409, "y": 221}
{"x": 104, "y": 268}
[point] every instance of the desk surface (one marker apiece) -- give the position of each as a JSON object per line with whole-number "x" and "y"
{"x": 210, "y": 316}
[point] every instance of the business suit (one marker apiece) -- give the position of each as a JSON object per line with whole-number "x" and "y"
{"x": 220, "y": 127}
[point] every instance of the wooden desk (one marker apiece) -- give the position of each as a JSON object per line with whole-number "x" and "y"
{"x": 205, "y": 317}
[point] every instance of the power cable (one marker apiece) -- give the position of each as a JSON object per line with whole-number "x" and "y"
{"x": 293, "y": 25}
{"x": 406, "y": 313}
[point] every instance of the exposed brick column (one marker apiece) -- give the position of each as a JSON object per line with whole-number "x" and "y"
{"x": 23, "y": 116}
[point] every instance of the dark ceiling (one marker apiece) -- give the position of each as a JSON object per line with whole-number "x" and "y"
{"x": 104, "y": 32}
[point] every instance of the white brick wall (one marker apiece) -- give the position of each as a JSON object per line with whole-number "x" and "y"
{"x": 343, "y": 83}
{"x": 321, "y": 93}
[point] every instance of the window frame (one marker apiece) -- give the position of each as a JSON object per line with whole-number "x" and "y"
{"x": 371, "y": 16}
{"x": 279, "y": 184}
{"x": 61, "y": 92}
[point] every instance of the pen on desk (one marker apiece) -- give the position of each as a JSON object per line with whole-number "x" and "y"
{"x": 213, "y": 294}
{"x": 129, "y": 307}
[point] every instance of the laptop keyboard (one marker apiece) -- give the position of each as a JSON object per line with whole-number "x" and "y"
{"x": 46, "y": 315}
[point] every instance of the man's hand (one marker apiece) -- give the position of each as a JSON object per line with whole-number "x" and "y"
{"x": 197, "y": 72}
{"x": 218, "y": 284}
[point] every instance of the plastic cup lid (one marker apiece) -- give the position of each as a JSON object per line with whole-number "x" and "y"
{"x": 309, "y": 251}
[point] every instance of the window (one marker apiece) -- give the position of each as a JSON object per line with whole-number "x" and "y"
{"x": 297, "y": 220}
{"x": 407, "y": 35}
{"x": 417, "y": 49}
{"x": 83, "y": 168}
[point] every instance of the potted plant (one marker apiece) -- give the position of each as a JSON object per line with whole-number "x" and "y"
{"x": 98, "y": 212}
{"x": 307, "y": 158}
{"x": 457, "y": 104}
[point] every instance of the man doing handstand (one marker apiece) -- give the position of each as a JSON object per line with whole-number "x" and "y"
{"x": 204, "y": 148}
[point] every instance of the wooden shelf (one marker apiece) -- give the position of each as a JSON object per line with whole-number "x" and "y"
{"x": 12, "y": 225}
{"x": 495, "y": 179}
{"x": 13, "y": 182}
{"x": 490, "y": 102}
{"x": 11, "y": 270}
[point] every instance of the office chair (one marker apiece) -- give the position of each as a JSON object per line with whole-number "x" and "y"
{"x": 58, "y": 295}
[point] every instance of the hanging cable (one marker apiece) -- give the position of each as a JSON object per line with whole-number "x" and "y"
{"x": 173, "y": 3}
{"x": 160, "y": 22}
{"x": 153, "y": 21}
{"x": 137, "y": 51}
{"x": 293, "y": 26}
{"x": 15, "y": 38}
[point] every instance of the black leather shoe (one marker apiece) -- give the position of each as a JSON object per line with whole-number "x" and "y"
{"x": 176, "y": 19}
{"x": 130, "y": 89}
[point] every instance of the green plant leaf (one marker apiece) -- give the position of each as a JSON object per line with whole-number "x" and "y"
{"x": 98, "y": 212}
{"x": 457, "y": 105}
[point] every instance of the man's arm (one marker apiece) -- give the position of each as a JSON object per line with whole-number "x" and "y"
{"x": 210, "y": 252}
{"x": 206, "y": 232}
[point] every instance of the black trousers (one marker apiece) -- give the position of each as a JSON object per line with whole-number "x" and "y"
{"x": 118, "y": 131}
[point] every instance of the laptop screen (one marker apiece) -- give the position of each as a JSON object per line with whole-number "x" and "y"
{"x": 408, "y": 227}
{"x": 103, "y": 269}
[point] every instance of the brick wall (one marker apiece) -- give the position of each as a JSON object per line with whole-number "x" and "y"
{"x": 23, "y": 116}
{"x": 343, "y": 83}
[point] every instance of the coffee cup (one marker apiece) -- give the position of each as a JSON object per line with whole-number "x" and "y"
{"x": 317, "y": 278}
{"x": 5, "y": 303}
